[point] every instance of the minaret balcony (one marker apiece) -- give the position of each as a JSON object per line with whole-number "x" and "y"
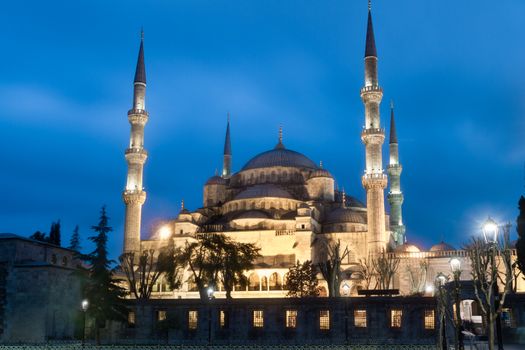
{"x": 373, "y": 136}
{"x": 374, "y": 180}
{"x": 131, "y": 197}
{"x": 394, "y": 169}
{"x": 138, "y": 111}
{"x": 372, "y": 93}
{"x": 136, "y": 155}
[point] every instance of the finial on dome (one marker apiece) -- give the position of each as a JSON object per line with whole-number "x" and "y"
{"x": 216, "y": 172}
{"x": 182, "y": 205}
{"x": 280, "y": 143}
{"x": 321, "y": 164}
{"x": 344, "y": 198}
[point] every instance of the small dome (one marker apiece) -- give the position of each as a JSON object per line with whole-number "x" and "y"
{"x": 279, "y": 156}
{"x": 407, "y": 248}
{"x": 321, "y": 173}
{"x": 266, "y": 190}
{"x": 440, "y": 247}
{"x": 216, "y": 180}
{"x": 341, "y": 215}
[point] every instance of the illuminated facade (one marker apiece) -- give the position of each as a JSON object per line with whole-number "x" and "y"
{"x": 289, "y": 206}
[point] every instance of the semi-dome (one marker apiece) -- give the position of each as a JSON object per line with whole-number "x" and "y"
{"x": 440, "y": 247}
{"x": 216, "y": 180}
{"x": 407, "y": 248}
{"x": 280, "y": 156}
{"x": 345, "y": 215}
{"x": 266, "y": 190}
{"x": 320, "y": 173}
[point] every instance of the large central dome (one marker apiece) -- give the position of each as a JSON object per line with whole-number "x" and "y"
{"x": 279, "y": 156}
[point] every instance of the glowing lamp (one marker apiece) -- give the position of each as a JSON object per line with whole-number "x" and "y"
{"x": 85, "y": 305}
{"x": 210, "y": 292}
{"x": 165, "y": 232}
{"x": 455, "y": 265}
{"x": 429, "y": 289}
{"x": 490, "y": 231}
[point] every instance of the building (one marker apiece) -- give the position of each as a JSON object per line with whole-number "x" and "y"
{"x": 38, "y": 286}
{"x": 289, "y": 206}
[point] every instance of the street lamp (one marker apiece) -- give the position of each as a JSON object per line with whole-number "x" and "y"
{"x": 455, "y": 266}
{"x": 164, "y": 232}
{"x": 84, "y": 305}
{"x": 440, "y": 284}
{"x": 210, "y": 292}
{"x": 490, "y": 232}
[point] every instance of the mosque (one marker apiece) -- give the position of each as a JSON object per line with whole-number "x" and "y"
{"x": 289, "y": 206}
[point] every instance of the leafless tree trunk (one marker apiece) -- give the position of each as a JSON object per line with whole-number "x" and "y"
{"x": 385, "y": 267}
{"x": 331, "y": 267}
{"x": 491, "y": 263}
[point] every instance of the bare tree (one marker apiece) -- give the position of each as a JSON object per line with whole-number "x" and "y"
{"x": 367, "y": 271}
{"x": 385, "y": 267}
{"x": 331, "y": 267}
{"x": 144, "y": 270}
{"x": 418, "y": 278}
{"x": 491, "y": 263}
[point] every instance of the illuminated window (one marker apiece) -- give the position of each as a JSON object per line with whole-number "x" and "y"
{"x": 64, "y": 261}
{"x": 223, "y": 320}
{"x": 324, "y": 319}
{"x": 395, "y": 318}
{"x": 131, "y": 319}
{"x": 291, "y": 318}
{"x": 161, "y": 315}
{"x": 258, "y": 318}
{"x": 430, "y": 319}
{"x": 193, "y": 316}
{"x": 360, "y": 318}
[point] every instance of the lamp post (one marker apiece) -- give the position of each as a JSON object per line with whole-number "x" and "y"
{"x": 455, "y": 266}
{"x": 84, "y": 305}
{"x": 490, "y": 232}
{"x": 440, "y": 284}
{"x": 210, "y": 297}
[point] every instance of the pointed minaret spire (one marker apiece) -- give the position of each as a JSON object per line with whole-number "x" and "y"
{"x": 134, "y": 195}
{"x": 140, "y": 71}
{"x": 374, "y": 180}
{"x": 370, "y": 50}
{"x": 395, "y": 195}
{"x": 393, "y": 133}
{"x": 227, "y": 155}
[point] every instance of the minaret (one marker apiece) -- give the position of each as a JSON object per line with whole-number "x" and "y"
{"x": 134, "y": 196}
{"x": 227, "y": 157}
{"x": 374, "y": 180}
{"x": 395, "y": 196}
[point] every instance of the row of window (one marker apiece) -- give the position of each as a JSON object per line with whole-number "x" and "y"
{"x": 360, "y": 319}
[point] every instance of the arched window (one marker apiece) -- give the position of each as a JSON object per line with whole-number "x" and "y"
{"x": 264, "y": 283}
{"x": 253, "y": 282}
{"x": 275, "y": 282}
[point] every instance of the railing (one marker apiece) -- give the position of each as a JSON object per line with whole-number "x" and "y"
{"x": 372, "y": 88}
{"x": 148, "y": 345}
{"x": 137, "y": 111}
{"x": 136, "y": 151}
{"x": 372, "y": 131}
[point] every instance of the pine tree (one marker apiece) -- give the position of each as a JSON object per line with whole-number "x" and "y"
{"x": 520, "y": 227}
{"x": 301, "y": 280}
{"x": 102, "y": 290}
{"x": 54, "y": 233}
{"x": 74, "y": 242}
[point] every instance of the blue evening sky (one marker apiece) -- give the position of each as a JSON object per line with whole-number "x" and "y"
{"x": 455, "y": 70}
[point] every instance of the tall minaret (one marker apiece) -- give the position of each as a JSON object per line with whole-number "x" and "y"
{"x": 134, "y": 196}
{"x": 227, "y": 156}
{"x": 374, "y": 180}
{"x": 395, "y": 196}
